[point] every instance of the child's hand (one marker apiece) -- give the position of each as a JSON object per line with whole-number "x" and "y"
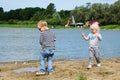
{"x": 97, "y": 35}
{"x": 82, "y": 34}
{"x": 84, "y": 37}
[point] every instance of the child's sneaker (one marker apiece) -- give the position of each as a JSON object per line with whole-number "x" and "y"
{"x": 89, "y": 66}
{"x": 99, "y": 64}
{"x": 50, "y": 73}
{"x": 40, "y": 73}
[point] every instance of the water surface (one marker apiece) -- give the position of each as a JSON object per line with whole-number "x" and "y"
{"x": 21, "y": 44}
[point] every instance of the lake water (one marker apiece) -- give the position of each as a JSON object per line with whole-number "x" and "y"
{"x": 20, "y": 44}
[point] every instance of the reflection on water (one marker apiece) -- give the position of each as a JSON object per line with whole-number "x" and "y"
{"x": 19, "y": 44}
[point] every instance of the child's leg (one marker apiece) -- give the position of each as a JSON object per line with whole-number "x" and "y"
{"x": 91, "y": 56}
{"x": 96, "y": 54}
{"x": 42, "y": 62}
{"x": 49, "y": 60}
{"x": 50, "y": 66}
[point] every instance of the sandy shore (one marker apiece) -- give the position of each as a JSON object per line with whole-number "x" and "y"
{"x": 64, "y": 70}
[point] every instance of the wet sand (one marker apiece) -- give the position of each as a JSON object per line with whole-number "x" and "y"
{"x": 63, "y": 70}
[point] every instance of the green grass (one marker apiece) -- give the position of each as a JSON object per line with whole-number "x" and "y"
{"x": 27, "y": 26}
{"x": 111, "y": 27}
{"x": 82, "y": 77}
{"x": 18, "y": 25}
{"x": 106, "y": 27}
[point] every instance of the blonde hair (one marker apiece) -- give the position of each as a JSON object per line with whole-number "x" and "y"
{"x": 96, "y": 26}
{"x": 41, "y": 23}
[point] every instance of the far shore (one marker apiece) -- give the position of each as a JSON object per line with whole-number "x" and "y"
{"x": 63, "y": 70}
{"x": 105, "y": 27}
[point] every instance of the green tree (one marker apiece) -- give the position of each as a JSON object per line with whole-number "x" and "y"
{"x": 79, "y": 13}
{"x": 50, "y": 10}
{"x": 27, "y": 13}
{"x": 100, "y": 12}
{"x": 65, "y": 15}
{"x": 40, "y": 14}
{"x": 1, "y": 13}
{"x": 12, "y": 14}
{"x": 115, "y": 12}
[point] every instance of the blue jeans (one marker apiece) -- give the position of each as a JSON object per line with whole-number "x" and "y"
{"x": 48, "y": 55}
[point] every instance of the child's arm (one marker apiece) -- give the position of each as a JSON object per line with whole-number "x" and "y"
{"x": 41, "y": 39}
{"x": 98, "y": 36}
{"x": 54, "y": 38}
{"x": 84, "y": 37}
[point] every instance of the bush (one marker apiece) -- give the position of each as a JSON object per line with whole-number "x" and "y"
{"x": 53, "y": 21}
{"x": 12, "y": 21}
{"x": 26, "y": 22}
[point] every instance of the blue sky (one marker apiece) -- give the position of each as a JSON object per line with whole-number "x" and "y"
{"x": 59, "y": 4}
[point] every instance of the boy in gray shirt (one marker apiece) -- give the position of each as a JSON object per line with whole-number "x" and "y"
{"x": 94, "y": 37}
{"x": 47, "y": 39}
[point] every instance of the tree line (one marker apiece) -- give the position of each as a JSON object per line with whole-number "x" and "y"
{"x": 104, "y": 13}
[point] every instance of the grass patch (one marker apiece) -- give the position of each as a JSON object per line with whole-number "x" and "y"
{"x": 18, "y": 25}
{"x": 82, "y": 77}
{"x": 106, "y": 27}
{"x": 111, "y": 27}
{"x": 32, "y": 26}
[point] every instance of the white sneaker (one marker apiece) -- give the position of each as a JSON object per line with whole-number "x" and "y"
{"x": 99, "y": 64}
{"x": 89, "y": 66}
{"x": 50, "y": 73}
{"x": 40, "y": 73}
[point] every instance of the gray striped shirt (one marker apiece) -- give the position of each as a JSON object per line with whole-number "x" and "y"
{"x": 47, "y": 39}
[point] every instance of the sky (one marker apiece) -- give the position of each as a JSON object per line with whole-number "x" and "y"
{"x": 8, "y": 5}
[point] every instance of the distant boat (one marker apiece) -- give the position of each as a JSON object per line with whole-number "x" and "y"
{"x": 73, "y": 20}
{"x": 74, "y": 23}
